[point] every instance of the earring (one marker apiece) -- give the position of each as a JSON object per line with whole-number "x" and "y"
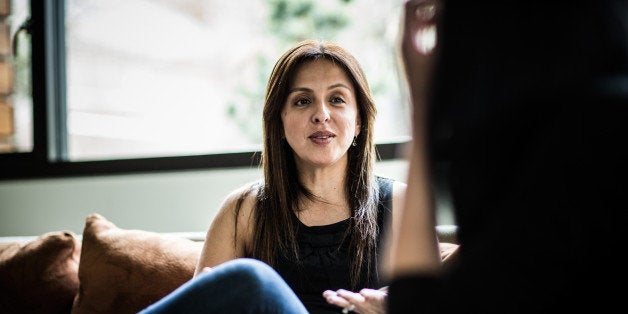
{"x": 354, "y": 143}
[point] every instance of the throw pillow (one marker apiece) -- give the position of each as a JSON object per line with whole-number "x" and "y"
{"x": 39, "y": 276}
{"x": 124, "y": 271}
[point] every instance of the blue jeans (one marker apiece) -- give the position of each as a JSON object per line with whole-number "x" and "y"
{"x": 238, "y": 286}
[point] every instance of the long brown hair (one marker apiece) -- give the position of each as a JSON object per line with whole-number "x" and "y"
{"x": 278, "y": 196}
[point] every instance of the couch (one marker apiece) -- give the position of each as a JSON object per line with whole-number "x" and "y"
{"x": 107, "y": 269}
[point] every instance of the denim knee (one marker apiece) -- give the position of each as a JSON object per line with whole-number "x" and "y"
{"x": 256, "y": 275}
{"x": 239, "y": 286}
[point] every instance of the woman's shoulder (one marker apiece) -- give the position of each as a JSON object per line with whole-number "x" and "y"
{"x": 238, "y": 207}
{"x": 249, "y": 190}
{"x": 241, "y": 201}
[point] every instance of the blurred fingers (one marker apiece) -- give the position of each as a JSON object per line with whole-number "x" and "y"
{"x": 420, "y": 25}
{"x": 371, "y": 294}
{"x": 352, "y": 297}
{"x": 332, "y": 297}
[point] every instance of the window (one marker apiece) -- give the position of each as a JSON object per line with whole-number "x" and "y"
{"x": 147, "y": 84}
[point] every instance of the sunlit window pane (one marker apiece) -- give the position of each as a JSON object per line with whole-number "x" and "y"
{"x": 165, "y": 77}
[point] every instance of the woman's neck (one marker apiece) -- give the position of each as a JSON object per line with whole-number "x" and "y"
{"x": 329, "y": 204}
{"x": 324, "y": 181}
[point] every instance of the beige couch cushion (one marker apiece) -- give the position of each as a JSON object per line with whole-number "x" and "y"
{"x": 124, "y": 271}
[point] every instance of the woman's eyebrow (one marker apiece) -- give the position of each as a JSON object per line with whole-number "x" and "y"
{"x": 339, "y": 85}
{"x": 300, "y": 89}
{"x": 309, "y": 90}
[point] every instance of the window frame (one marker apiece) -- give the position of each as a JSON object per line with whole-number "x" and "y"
{"x": 50, "y": 147}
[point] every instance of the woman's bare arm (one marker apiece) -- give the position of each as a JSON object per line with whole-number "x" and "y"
{"x": 222, "y": 242}
{"x": 413, "y": 244}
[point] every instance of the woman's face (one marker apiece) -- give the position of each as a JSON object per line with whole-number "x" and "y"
{"x": 320, "y": 116}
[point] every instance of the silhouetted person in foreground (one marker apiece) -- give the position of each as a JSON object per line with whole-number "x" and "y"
{"x": 526, "y": 102}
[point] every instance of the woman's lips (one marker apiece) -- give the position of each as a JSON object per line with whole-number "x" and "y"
{"x": 322, "y": 137}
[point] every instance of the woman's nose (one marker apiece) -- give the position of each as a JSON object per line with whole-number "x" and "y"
{"x": 321, "y": 114}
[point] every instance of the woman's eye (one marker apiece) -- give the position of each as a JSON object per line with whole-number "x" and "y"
{"x": 302, "y": 102}
{"x": 337, "y": 100}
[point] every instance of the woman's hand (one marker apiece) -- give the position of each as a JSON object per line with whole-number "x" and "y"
{"x": 365, "y": 302}
{"x": 418, "y": 36}
{"x": 418, "y": 42}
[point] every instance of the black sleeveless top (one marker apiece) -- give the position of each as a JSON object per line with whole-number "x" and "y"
{"x": 324, "y": 258}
